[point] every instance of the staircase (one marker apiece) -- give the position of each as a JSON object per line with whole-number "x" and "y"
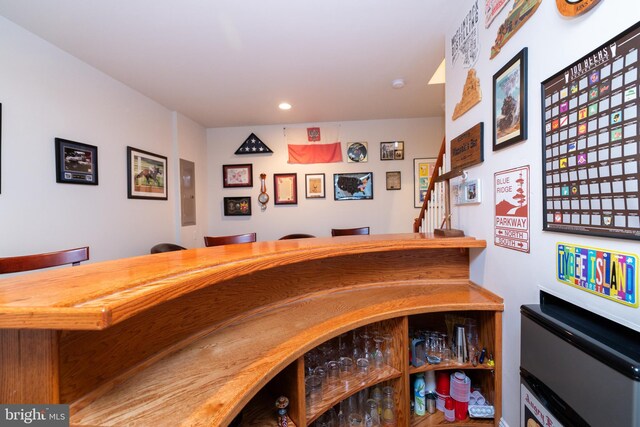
{"x": 433, "y": 213}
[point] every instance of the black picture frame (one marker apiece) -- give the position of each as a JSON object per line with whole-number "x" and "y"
{"x": 237, "y": 176}
{"x": 353, "y": 186}
{"x": 76, "y": 163}
{"x": 237, "y": 206}
{"x": 146, "y": 175}
{"x": 393, "y": 150}
{"x": 394, "y": 180}
{"x": 509, "y": 94}
{"x": 314, "y": 186}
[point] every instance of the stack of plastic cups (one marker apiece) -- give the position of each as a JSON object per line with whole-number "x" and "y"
{"x": 443, "y": 385}
{"x": 460, "y": 392}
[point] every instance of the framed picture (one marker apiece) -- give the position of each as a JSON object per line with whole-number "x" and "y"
{"x": 353, "y": 186}
{"x": 0, "y": 148}
{"x": 285, "y": 188}
{"x": 510, "y": 102}
{"x": 237, "y": 175}
{"x": 76, "y": 163}
{"x": 146, "y": 175}
{"x": 422, "y": 172}
{"x": 357, "y": 152}
{"x": 392, "y": 150}
{"x": 393, "y": 180}
{"x": 314, "y": 186}
{"x": 237, "y": 206}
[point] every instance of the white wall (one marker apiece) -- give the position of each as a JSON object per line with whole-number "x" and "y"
{"x": 389, "y": 212}
{"x": 46, "y": 93}
{"x": 553, "y": 42}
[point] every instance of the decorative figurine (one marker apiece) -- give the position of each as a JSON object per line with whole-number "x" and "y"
{"x": 282, "y": 403}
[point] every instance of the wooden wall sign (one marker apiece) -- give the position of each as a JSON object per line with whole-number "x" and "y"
{"x": 575, "y": 7}
{"x": 522, "y": 10}
{"x": 471, "y": 95}
{"x": 467, "y": 149}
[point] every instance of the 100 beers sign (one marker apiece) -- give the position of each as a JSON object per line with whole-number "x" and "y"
{"x": 612, "y": 275}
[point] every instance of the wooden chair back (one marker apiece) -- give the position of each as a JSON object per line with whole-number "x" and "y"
{"x": 166, "y": 247}
{"x": 349, "y": 231}
{"x": 228, "y": 240}
{"x": 37, "y": 261}
{"x": 296, "y": 236}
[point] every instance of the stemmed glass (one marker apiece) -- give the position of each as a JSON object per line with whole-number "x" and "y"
{"x": 378, "y": 356}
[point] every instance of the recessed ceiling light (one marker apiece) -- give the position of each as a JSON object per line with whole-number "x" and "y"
{"x": 397, "y": 83}
{"x": 284, "y": 106}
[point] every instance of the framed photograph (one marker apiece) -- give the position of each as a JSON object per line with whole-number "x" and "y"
{"x": 314, "y": 186}
{"x": 146, "y": 175}
{"x": 237, "y": 206}
{"x": 393, "y": 180}
{"x": 510, "y": 102}
{"x": 422, "y": 172}
{"x": 285, "y": 188}
{"x": 76, "y": 163}
{"x": 353, "y": 186}
{"x": 237, "y": 175}
{"x": 357, "y": 152}
{"x": 392, "y": 150}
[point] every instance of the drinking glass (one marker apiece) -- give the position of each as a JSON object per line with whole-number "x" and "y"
{"x": 371, "y": 416}
{"x": 333, "y": 372}
{"x": 362, "y": 366}
{"x": 388, "y": 348}
{"x": 378, "y": 356}
{"x": 356, "y": 420}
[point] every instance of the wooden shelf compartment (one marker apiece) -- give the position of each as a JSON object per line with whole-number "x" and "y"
{"x": 437, "y": 419}
{"x": 209, "y": 381}
{"x": 453, "y": 366}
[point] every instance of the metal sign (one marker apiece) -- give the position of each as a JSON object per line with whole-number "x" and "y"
{"x": 512, "y": 209}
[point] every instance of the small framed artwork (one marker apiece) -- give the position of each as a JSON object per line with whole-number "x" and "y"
{"x": 353, "y": 186}
{"x": 393, "y": 180}
{"x": 237, "y": 175}
{"x": 76, "y": 163}
{"x": 314, "y": 186}
{"x": 357, "y": 152}
{"x": 285, "y": 188}
{"x": 510, "y": 102}
{"x": 146, "y": 175}
{"x": 237, "y": 206}
{"x": 392, "y": 150}
{"x": 422, "y": 172}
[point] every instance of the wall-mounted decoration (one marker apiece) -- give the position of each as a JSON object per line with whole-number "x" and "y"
{"x": 253, "y": 145}
{"x": 285, "y": 189}
{"x": 510, "y": 102}
{"x": 237, "y": 206}
{"x": 512, "y": 209}
{"x": 0, "y": 148}
{"x": 314, "y": 186}
{"x": 521, "y": 12}
{"x": 422, "y": 172}
{"x": 146, "y": 175}
{"x": 357, "y": 152}
{"x": 467, "y": 149}
{"x": 468, "y": 192}
{"x": 609, "y": 274}
{"x": 353, "y": 186}
{"x": 392, "y": 150}
{"x": 187, "y": 192}
{"x": 491, "y": 10}
{"x": 394, "y": 181}
{"x": 591, "y": 174}
{"x": 313, "y": 145}
{"x": 263, "y": 198}
{"x": 575, "y": 7}
{"x": 237, "y": 175}
{"x": 465, "y": 42}
{"x": 76, "y": 163}
{"x": 471, "y": 95}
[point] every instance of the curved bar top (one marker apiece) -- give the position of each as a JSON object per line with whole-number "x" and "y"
{"x": 99, "y": 295}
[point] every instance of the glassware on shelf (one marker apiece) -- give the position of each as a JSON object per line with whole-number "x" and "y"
{"x": 378, "y": 356}
{"x": 362, "y": 366}
{"x": 388, "y": 407}
{"x": 313, "y": 389}
{"x": 388, "y": 349}
{"x": 333, "y": 372}
{"x": 376, "y": 395}
{"x": 371, "y": 416}
{"x": 356, "y": 420}
{"x": 366, "y": 345}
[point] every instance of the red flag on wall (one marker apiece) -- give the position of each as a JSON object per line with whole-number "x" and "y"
{"x": 313, "y": 145}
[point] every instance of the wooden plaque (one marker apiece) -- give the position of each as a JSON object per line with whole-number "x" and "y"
{"x": 467, "y": 149}
{"x": 522, "y": 10}
{"x": 471, "y": 95}
{"x": 575, "y": 7}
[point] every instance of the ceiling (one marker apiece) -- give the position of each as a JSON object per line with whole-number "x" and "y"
{"x": 231, "y": 62}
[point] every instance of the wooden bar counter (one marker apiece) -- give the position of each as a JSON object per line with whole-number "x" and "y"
{"x": 190, "y": 337}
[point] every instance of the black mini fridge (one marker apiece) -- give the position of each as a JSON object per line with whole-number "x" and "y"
{"x": 577, "y": 368}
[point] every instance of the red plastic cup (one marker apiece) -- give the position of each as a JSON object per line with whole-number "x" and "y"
{"x": 442, "y": 382}
{"x": 461, "y": 410}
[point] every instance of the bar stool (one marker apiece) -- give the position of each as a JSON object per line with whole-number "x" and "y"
{"x": 166, "y": 247}
{"x": 296, "y": 236}
{"x": 228, "y": 240}
{"x": 37, "y": 261}
{"x": 349, "y": 231}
